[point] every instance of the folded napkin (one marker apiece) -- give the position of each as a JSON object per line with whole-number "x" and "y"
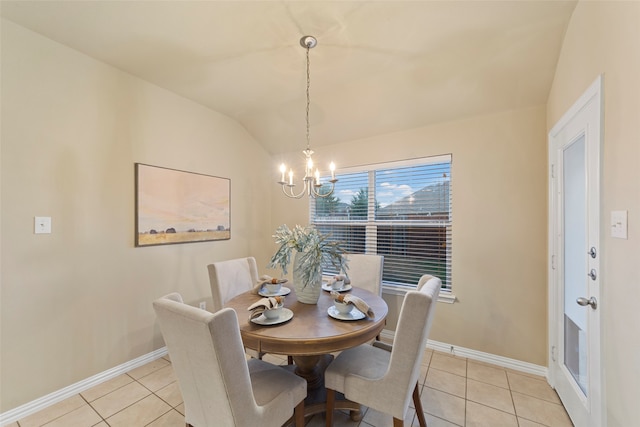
{"x": 264, "y": 304}
{"x": 263, "y": 280}
{"x": 352, "y": 299}
{"x": 338, "y": 278}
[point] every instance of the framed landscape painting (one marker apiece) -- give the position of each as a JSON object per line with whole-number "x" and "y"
{"x": 174, "y": 206}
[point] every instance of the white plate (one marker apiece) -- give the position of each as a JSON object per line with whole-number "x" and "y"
{"x": 327, "y": 287}
{"x": 282, "y": 292}
{"x": 285, "y": 316}
{"x": 354, "y": 314}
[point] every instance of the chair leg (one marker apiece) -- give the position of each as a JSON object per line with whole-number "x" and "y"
{"x": 298, "y": 414}
{"x": 418, "y": 405}
{"x": 397, "y": 422}
{"x": 331, "y": 400}
{"x": 289, "y": 360}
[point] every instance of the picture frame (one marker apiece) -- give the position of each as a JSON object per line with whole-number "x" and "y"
{"x": 175, "y": 206}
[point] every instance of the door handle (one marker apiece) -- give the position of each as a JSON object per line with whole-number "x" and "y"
{"x": 591, "y": 301}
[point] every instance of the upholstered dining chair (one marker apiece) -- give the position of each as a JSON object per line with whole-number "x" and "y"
{"x": 218, "y": 387}
{"x": 230, "y": 278}
{"x": 385, "y": 379}
{"x": 365, "y": 271}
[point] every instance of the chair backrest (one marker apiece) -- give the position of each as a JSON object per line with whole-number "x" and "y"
{"x": 365, "y": 271}
{"x": 231, "y": 278}
{"x": 208, "y": 360}
{"x": 414, "y": 324}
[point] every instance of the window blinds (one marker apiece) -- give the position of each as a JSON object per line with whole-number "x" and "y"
{"x": 401, "y": 212}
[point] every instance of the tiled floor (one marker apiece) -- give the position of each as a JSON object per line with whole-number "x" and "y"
{"x": 455, "y": 392}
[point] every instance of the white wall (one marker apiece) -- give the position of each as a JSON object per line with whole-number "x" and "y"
{"x": 78, "y": 301}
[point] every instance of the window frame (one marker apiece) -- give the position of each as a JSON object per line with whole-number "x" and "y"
{"x": 446, "y": 294}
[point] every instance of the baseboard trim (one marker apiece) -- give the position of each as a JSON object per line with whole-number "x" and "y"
{"x": 34, "y": 406}
{"x": 505, "y": 362}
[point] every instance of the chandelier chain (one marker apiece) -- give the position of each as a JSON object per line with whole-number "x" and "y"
{"x": 311, "y": 183}
{"x": 308, "y": 97}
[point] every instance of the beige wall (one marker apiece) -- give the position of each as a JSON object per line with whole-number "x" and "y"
{"x": 78, "y": 301}
{"x": 604, "y": 38}
{"x": 499, "y": 239}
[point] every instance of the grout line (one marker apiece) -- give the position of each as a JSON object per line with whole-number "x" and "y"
{"x": 362, "y": 423}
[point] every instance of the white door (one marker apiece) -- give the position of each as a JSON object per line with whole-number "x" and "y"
{"x": 574, "y": 239}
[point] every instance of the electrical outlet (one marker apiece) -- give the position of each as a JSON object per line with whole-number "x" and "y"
{"x": 203, "y": 305}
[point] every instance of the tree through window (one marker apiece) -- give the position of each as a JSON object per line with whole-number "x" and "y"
{"x": 399, "y": 210}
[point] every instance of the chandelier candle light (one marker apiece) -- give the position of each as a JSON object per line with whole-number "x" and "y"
{"x": 311, "y": 182}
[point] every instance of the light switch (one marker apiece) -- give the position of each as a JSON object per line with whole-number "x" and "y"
{"x": 619, "y": 224}
{"x": 42, "y": 225}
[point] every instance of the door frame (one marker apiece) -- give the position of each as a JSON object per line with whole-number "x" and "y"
{"x": 591, "y": 97}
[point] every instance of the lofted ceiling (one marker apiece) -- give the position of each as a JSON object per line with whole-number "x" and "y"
{"x": 380, "y": 66}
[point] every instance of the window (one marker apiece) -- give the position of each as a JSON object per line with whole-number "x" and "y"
{"x": 401, "y": 210}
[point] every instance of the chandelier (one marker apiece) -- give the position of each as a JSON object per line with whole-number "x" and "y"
{"x": 311, "y": 182}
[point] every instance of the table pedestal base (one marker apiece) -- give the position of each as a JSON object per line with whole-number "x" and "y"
{"x": 312, "y": 368}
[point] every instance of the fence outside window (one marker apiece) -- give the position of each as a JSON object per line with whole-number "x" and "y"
{"x": 401, "y": 210}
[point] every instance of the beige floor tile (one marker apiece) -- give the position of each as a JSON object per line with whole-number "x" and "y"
{"x": 84, "y": 416}
{"x": 171, "y": 394}
{"x": 145, "y": 370}
{"x": 276, "y": 359}
{"x": 140, "y": 413}
{"x": 482, "y": 416}
{"x": 526, "y": 423}
{"x": 487, "y": 374}
{"x": 380, "y": 419}
{"x": 101, "y": 424}
{"x": 106, "y": 387}
{"x": 180, "y": 408}
{"x": 52, "y": 412}
{"x": 454, "y": 365}
{"x": 426, "y": 357}
{"x": 423, "y": 374}
{"x": 532, "y": 387}
{"x": 158, "y": 379}
{"x": 540, "y": 411}
{"x": 14, "y": 424}
{"x": 443, "y": 405}
{"x": 172, "y": 418}
{"x": 526, "y": 374}
{"x": 119, "y": 399}
{"x": 490, "y": 395}
{"x": 447, "y": 382}
{"x": 433, "y": 422}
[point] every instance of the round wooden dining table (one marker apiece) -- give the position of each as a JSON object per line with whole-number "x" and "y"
{"x": 310, "y": 336}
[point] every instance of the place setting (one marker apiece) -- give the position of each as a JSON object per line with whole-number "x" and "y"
{"x": 270, "y": 311}
{"x": 349, "y": 307}
{"x": 268, "y": 286}
{"x": 338, "y": 283}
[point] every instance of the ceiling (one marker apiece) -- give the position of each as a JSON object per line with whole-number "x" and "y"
{"x": 379, "y": 67}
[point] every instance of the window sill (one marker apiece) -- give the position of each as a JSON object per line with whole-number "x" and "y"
{"x": 444, "y": 296}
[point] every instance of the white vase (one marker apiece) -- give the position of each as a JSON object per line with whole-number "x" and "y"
{"x": 307, "y": 293}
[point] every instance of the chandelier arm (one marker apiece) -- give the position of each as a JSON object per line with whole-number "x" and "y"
{"x": 316, "y": 193}
{"x": 291, "y": 194}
